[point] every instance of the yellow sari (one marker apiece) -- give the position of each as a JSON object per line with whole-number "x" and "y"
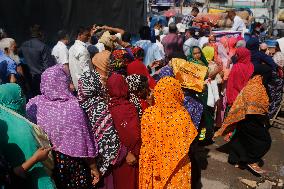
{"x": 167, "y": 133}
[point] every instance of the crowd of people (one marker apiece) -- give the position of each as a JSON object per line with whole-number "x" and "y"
{"x": 107, "y": 112}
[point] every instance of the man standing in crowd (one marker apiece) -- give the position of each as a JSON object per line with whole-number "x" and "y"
{"x": 7, "y": 69}
{"x": 173, "y": 43}
{"x": 238, "y": 23}
{"x": 38, "y": 57}
{"x": 9, "y": 47}
{"x": 190, "y": 41}
{"x": 153, "y": 57}
{"x": 189, "y": 19}
{"x": 61, "y": 53}
{"x": 79, "y": 57}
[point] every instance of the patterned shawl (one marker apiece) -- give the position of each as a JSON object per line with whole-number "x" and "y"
{"x": 252, "y": 99}
{"x": 93, "y": 99}
{"x": 167, "y": 133}
{"x": 136, "y": 83}
{"x": 58, "y": 113}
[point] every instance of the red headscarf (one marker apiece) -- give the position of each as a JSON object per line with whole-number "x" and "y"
{"x": 137, "y": 67}
{"x": 124, "y": 113}
{"x": 240, "y": 74}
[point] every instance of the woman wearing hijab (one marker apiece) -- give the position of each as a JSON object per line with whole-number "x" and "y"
{"x": 93, "y": 98}
{"x": 138, "y": 90}
{"x": 119, "y": 61}
{"x": 248, "y": 116}
{"x": 223, "y": 55}
{"x": 58, "y": 113}
{"x": 214, "y": 70}
{"x": 258, "y": 57}
{"x": 213, "y": 67}
{"x": 276, "y": 87}
{"x": 137, "y": 66}
{"x": 213, "y": 43}
{"x": 126, "y": 122}
{"x": 165, "y": 163}
{"x": 207, "y": 121}
{"x": 240, "y": 74}
{"x": 264, "y": 64}
{"x": 191, "y": 103}
{"x": 223, "y": 51}
{"x": 19, "y": 141}
{"x": 232, "y": 41}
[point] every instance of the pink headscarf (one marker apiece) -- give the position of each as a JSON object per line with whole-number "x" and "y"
{"x": 224, "y": 42}
{"x": 223, "y": 51}
{"x": 232, "y": 46}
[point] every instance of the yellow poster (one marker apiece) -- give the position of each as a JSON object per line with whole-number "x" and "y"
{"x": 189, "y": 74}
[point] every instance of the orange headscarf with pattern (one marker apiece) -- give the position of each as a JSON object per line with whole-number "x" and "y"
{"x": 253, "y": 99}
{"x": 167, "y": 133}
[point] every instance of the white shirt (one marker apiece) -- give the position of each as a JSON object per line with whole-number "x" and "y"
{"x": 188, "y": 44}
{"x": 100, "y": 46}
{"x": 79, "y": 61}
{"x": 60, "y": 52}
{"x": 238, "y": 24}
{"x": 161, "y": 47}
{"x": 202, "y": 41}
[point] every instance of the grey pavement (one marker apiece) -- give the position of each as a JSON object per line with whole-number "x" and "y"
{"x": 216, "y": 173}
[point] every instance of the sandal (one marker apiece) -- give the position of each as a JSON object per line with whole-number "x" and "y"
{"x": 255, "y": 169}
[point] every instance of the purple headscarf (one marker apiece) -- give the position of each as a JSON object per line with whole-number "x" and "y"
{"x": 58, "y": 113}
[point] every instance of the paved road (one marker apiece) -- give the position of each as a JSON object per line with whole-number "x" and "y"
{"x": 216, "y": 173}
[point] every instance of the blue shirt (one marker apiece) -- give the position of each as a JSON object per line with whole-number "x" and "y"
{"x": 151, "y": 50}
{"x": 7, "y": 68}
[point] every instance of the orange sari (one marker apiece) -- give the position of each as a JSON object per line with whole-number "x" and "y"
{"x": 167, "y": 133}
{"x": 252, "y": 99}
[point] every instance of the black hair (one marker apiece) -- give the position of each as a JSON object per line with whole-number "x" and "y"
{"x": 92, "y": 50}
{"x": 36, "y": 31}
{"x": 145, "y": 33}
{"x": 172, "y": 28}
{"x": 82, "y": 30}
{"x": 144, "y": 80}
{"x": 180, "y": 55}
{"x": 191, "y": 31}
{"x": 195, "y": 9}
{"x": 62, "y": 34}
{"x": 126, "y": 37}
